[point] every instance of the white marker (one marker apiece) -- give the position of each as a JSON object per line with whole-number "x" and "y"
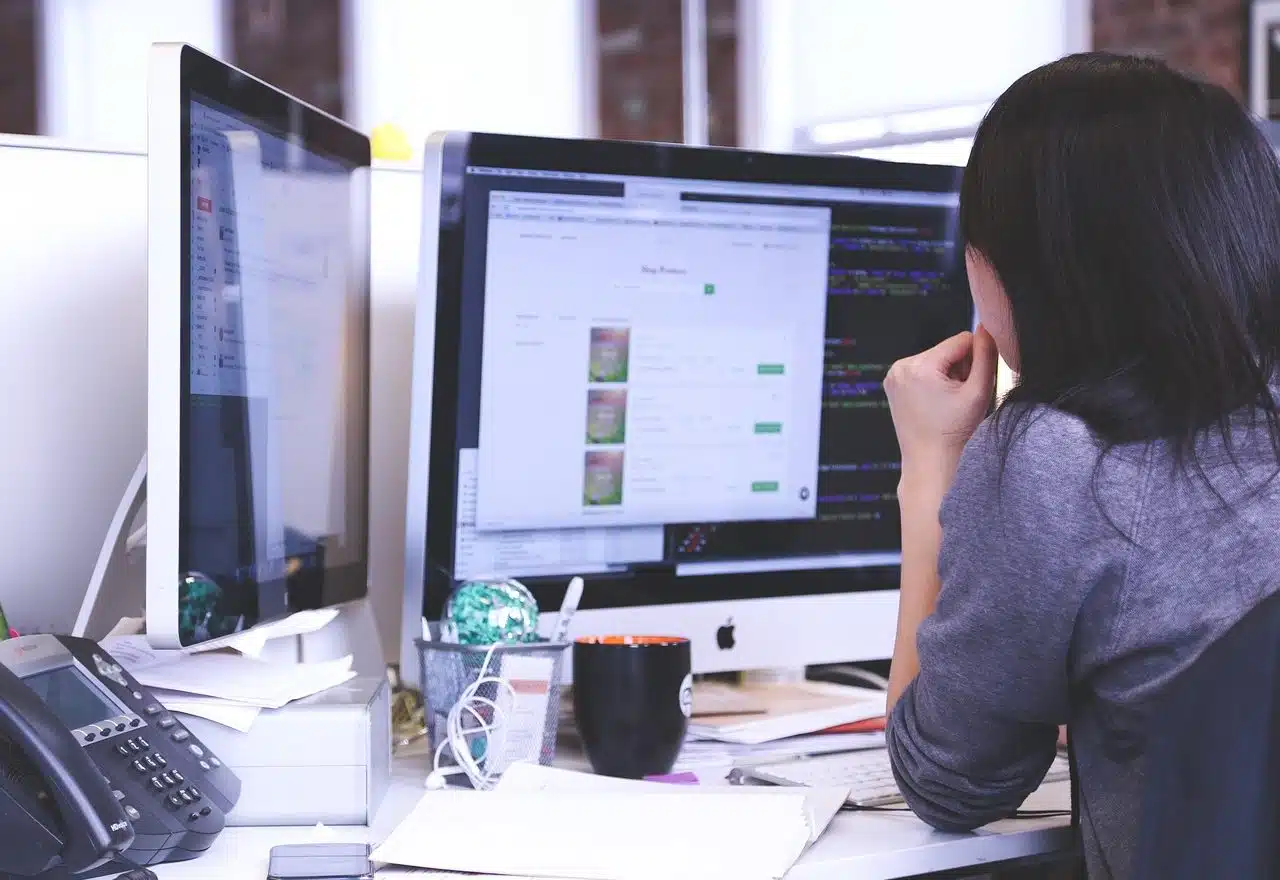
{"x": 568, "y": 607}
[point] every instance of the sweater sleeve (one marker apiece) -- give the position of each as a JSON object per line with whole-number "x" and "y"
{"x": 1023, "y": 542}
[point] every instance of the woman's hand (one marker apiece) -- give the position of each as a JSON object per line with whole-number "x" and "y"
{"x": 938, "y": 398}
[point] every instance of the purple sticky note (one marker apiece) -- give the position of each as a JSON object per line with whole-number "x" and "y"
{"x": 685, "y": 778}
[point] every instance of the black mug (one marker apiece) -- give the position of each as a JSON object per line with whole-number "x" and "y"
{"x": 632, "y": 697}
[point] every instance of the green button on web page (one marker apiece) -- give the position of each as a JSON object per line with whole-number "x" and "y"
{"x": 769, "y": 369}
{"x": 765, "y": 486}
{"x": 768, "y": 427}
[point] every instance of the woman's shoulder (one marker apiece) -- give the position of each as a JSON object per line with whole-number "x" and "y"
{"x": 1044, "y": 461}
{"x": 1035, "y": 438}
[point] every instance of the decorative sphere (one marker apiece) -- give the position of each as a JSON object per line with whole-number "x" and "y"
{"x": 485, "y": 612}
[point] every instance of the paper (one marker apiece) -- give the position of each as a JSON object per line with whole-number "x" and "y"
{"x": 244, "y": 679}
{"x": 617, "y": 830}
{"x": 253, "y": 641}
{"x": 711, "y": 753}
{"x": 237, "y": 716}
{"x": 522, "y": 710}
{"x": 127, "y": 626}
{"x": 791, "y": 710}
{"x": 821, "y": 805}
{"x": 135, "y": 653}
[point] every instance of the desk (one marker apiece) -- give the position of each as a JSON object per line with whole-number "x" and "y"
{"x": 857, "y": 846}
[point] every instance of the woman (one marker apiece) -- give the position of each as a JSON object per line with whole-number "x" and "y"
{"x": 1063, "y": 559}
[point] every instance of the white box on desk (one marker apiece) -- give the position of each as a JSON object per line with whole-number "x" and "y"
{"x": 323, "y": 759}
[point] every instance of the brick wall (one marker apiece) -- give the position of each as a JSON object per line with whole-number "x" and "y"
{"x": 18, "y": 67}
{"x": 296, "y": 45}
{"x": 641, "y": 70}
{"x": 1204, "y": 36}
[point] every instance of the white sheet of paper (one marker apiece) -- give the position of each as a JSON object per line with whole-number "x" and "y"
{"x": 237, "y": 716}
{"x": 244, "y": 679}
{"x": 135, "y": 653}
{"x": 621, "y": 830}
{"x": 253, "y": 641}
{"x": 821, "y": 804}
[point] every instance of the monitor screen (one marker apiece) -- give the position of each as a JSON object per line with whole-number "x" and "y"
{"x": 274, "y": 461}
{"x": 673, "y": 384}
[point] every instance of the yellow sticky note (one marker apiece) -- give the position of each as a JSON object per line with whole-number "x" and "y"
{"x": 389, "y": 142}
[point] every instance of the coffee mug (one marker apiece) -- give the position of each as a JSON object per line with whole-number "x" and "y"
{"x": 632, "y": 697}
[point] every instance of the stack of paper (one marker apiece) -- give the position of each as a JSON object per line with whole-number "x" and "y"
{"x": 767, "y": 713}
{"x": 556, "y": 823}
{"x": 224, "y": 686}
{"x": 711, "y": 754}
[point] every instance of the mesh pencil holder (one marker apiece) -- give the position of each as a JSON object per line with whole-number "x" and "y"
{"x": 449, "y": 669}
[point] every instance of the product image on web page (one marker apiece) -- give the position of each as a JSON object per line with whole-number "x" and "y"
{"x": 602, "y": 483}
{"x": 606, "y": 416}
{"x": 610, "y": 348}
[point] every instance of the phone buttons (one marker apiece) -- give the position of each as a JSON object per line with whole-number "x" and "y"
{"x": 158, "y": 784}
{"x": 152, "y": 708}
{"x": 123, "y": 750}
{"x": 215, "y": 762}
{"x": 204, "y": 765}
{"x": 140, "y": 767}
{"x": 141, "y": 741}
{"x": 132, "y": 813}
{"x": 166, "y": 722}
{"x": 90, "y": 737}
{"x": 160, "y": 759}
{"x": 117, "y": 794}
{"x": 196, "y": 750}
{"x": 180, "y": 736}
{"x": 174, "y": 801}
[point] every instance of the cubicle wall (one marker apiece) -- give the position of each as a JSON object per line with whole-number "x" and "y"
{"x": 73, "y": 311}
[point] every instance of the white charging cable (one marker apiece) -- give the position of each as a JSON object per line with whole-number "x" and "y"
{"x": 465, "y": 721}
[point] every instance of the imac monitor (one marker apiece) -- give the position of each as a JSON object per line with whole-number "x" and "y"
{"x": 258, "y": 353}
{"x": 660, "y": 368}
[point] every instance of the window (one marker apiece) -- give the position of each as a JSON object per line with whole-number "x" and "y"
{"x": 505, "y": 66}
{"x": 907, "y": 80}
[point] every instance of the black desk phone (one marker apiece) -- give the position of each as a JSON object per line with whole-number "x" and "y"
{"x": 93, "y": 768}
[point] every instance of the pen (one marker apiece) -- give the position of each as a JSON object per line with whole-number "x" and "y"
{"x": 572, "y": 597}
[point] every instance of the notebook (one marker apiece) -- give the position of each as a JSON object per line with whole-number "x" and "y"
{"x": 543, "y": 822}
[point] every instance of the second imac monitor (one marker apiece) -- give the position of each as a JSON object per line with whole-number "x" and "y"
{"x": 660, "y": 368}
{"x": 258, "y": 381}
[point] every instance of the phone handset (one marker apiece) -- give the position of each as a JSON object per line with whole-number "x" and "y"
{"x": 94, "y": 828}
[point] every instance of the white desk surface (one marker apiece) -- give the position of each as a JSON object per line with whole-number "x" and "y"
{"x": 857, "y": 846}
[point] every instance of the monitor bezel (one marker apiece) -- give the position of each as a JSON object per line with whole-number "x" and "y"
{"x": 177, "y": 72}
{"x": 453, "y": 154}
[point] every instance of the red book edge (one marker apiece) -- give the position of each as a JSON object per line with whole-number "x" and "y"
{"x": 868, "y": 725}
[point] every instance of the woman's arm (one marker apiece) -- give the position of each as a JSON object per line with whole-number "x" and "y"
{"x": 937, "y": 398}
{"x": 919, "y": 500}
{"x": 975, "y": 719}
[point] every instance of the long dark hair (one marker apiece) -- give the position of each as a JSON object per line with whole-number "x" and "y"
{"x": 1132, "y": 214}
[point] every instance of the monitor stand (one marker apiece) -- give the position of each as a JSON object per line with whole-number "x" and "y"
{"x": 118, "y": 591}
{"x": 781, "y": 675}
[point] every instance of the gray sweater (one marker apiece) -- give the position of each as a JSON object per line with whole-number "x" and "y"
{"x": 1073, "y": 589}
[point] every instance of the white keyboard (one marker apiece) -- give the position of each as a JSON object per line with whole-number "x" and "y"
{"x": 866, "y": 772}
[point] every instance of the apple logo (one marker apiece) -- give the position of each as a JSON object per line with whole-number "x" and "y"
{"x": 724, "y": 636}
